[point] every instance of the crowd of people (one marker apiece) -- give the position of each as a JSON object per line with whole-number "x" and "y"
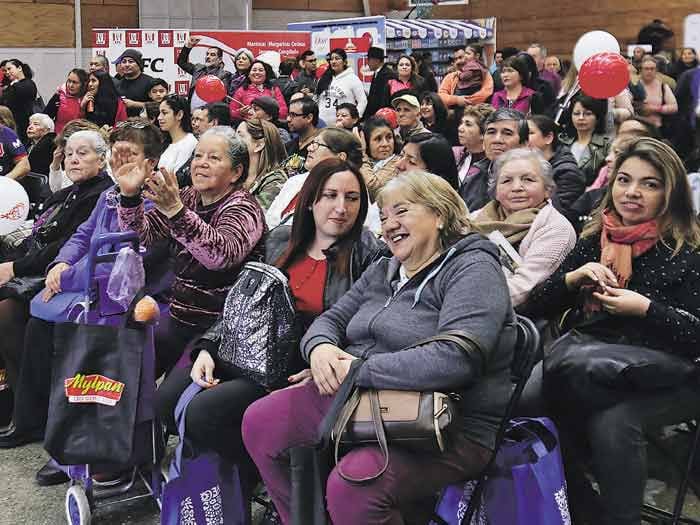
{"x": 404, "y": 212}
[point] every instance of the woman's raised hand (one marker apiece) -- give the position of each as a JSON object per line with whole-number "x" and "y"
{"x": 329, "y": 367}
{"x": 130, "y": 176}
{"x": 590, "y": 273}
{"x": 162, "y": 188}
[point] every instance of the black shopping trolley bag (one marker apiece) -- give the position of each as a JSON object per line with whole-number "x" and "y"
{"x": 94, "y": 393}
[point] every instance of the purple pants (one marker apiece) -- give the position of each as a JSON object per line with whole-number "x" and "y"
{"x": 290, "y": 417}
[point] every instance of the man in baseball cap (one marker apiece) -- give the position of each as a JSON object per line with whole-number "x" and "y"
{"x": 408, "y": 112}
{"x": 134, "y": 85}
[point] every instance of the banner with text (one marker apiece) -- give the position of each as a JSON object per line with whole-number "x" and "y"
{"x": 161, "y": 47}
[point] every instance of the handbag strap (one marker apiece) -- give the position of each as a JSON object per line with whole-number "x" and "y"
{"x": 180, "y": 409}
{"x": 348, "y": 410}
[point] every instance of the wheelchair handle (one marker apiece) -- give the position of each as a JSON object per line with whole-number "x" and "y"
{"x": 103, "y": 240}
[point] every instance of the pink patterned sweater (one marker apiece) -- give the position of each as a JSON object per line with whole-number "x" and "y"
{"x": 211, "y": 244}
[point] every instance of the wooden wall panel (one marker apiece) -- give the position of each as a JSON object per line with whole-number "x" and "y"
{"x": 36, "y": 25}
{"x": 107, "y": 16}
{"x": 312, "y": 5}
{"x": 558, "y": 24}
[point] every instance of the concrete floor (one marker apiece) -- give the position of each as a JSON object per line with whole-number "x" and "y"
{"x": 23, "y": 502}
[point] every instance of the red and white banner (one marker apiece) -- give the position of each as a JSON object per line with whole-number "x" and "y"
{"x": 160, "y": 48}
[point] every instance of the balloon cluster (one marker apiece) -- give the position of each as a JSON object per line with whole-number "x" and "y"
{"x": 602, "y": 71}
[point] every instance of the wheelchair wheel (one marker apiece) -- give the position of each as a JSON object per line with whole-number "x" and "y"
{"x": 77, "y": 506}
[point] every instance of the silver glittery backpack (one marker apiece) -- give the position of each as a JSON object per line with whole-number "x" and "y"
{"x": 260, "y": 336}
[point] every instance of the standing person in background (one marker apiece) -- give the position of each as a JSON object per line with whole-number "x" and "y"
{"x": 134, "y": 85}
{"x": 687, "y": 61}
{"x": 497, "y": 61}
{"x": 407, "y": 77}
{"x": 518, "y": 92}
{"x": 158, "y": 91}
{"x": 20, "y": 94}
{"x": 98, "y": 63}
{"x": 539, "y": 53}
{"x": 339, "y": 84}
{"x": 382, "y": 74}
{"x": 425, "y": 69}
{"x": 660, "y": 100}
{"x": 213, "y": 65}
{"x": 553, "y": 65}
{"x": 260, "y": 83}
{"x": 102, "y": 104}
{"x": 306, "y": 79}
{"x": 175, "y": 121}
{"x": 449, "y": 84}
{"x": 243, "y": 61}
{"x": 66, "y": 105}
{"x": 288, "y": 86}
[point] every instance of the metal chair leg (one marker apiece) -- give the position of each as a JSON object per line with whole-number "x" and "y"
{"x": 683, "y": 487}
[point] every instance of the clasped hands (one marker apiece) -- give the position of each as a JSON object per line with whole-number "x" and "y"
{"x": 614, "y": 300}
{"x": 160, "y": 187}
{"x": 329, "y": 368}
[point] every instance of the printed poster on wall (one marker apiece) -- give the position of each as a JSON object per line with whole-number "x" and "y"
{"x": 356, "y": 34}
{"x": 161, "y": 47}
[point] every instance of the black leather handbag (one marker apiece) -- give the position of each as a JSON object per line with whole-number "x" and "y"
{"x": 597, "y": 374}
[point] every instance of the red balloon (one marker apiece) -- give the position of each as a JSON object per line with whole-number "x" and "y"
{"x": 210, "y": 89}
{"x": 389, "y": 115}
{"x": 604, "y": 75}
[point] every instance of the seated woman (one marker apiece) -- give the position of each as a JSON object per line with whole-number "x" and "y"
{"x": 632, "y": 278}
{"x": 436, "y": 118}
{"x": 524, "y": 215}
{"x": 133, "y": 142}
{"x": 266, "y": 151}
{"x": 470, "y": 134}
{"x": 346, "y": 116}
{"x": 22, "y": 275}
{"x": 567, "y": 176}
{"x": 57, "y": 175}
{"x": 40, "y": 133}
{"x": 441, "y": 277}
{"x": 329, "y": 143}
{"x": 585, "y": 137}
{"x": 431, "y": 153}
{"x": 380, "y": 146}
{"x": 324, "y": 254}
{"x": 215, "y": 227}
{"x": 175, "y": 122}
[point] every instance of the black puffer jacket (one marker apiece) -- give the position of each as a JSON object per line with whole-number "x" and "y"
{"x": 569, "y": 180}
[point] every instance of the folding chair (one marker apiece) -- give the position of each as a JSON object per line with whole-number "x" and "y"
{"x": 653, "y": 514}
{"x": 526, "y": 350}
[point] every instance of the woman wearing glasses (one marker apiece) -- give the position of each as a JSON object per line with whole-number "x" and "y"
{"x": 175, "y": 122}
{"x": 329, "y": 143}
{"x": 586, "y": 137}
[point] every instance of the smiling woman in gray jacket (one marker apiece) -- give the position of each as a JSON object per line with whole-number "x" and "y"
{"x": 441, "y": 277}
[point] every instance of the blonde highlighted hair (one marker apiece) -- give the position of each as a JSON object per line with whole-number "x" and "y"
{"x": 436, "y": 194}
{"x": 677, "y": 222}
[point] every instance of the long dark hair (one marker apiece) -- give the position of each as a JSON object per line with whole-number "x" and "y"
{"x": 304, "y": 226}
{"x": 177, "y": 104}
{"x": 106, "y": 98}
{"x": 546, "y": 126}
{"x": 439, "y": 109}
{"x": 325, "y": 81}
{"x": 82, "y": 78}
{"x": 28, "y": 73}
{"x": 437, "y": 155}
{"x": 269, "y": 74}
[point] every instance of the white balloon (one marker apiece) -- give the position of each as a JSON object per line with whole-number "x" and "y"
{"x": 14, "y": 205}
{"x": 592, "y": 43}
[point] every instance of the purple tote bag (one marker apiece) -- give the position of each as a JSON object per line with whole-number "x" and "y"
{"x": 202, "y": 489}
{"x": 526, "y": 485}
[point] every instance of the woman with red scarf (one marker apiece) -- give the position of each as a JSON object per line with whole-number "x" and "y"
{"x": 632, "y": 279}
{"x": 65, "y": 106}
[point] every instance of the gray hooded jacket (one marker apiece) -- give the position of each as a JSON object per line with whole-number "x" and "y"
{"x": 463, "y": 290}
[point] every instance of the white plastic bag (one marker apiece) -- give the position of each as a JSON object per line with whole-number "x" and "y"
{"x": 127, "y": 277}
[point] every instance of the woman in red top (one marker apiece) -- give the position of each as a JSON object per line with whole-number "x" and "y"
{"x": 64, "y": 106}
{"x": 408, "y": 77}
{"x": 258, "y": 84}
{"x": 324, "y": 253}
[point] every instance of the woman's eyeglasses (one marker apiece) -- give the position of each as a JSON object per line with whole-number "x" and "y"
{"x": 314, "y": 145}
